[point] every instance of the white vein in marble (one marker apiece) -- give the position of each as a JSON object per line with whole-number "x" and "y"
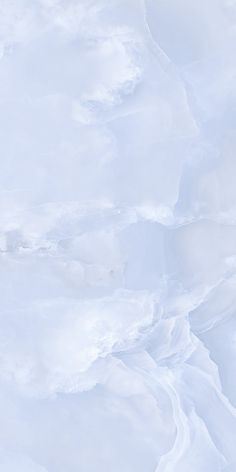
{"x": 118, "y": 235}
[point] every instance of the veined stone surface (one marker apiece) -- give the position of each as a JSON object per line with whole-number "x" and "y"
{"x": 118, "y": 235}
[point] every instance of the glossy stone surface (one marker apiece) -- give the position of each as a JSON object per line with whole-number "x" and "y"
{"x": 117, "y": 236}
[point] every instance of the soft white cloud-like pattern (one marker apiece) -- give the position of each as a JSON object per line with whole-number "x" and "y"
{"x": 117, "y": 236}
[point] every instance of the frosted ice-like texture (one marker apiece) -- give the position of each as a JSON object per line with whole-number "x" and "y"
{"x": 118, "y": 235}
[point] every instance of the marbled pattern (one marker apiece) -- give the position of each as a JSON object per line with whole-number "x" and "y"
{"x": 118, "y": 235}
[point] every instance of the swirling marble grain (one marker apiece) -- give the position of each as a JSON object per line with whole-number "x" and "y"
{"x": 117, "y": 235}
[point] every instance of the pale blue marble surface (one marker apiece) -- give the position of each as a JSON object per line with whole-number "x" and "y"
{"x": 118, "y": 235}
